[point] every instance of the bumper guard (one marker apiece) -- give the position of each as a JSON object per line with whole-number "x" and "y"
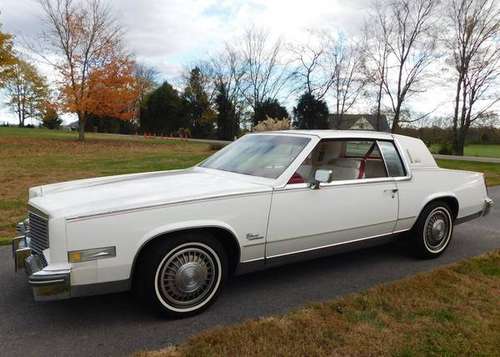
{"x": 47, "y": 285}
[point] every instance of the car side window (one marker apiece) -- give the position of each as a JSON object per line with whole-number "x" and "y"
{"x": 392, "y": 159}
{"x": 347, "y": 159}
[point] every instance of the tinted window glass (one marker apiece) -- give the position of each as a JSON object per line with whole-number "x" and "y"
{"x": 392, "y": 159}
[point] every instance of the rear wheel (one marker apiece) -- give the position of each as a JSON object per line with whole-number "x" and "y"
{"x": 182, "y": 275}
{"x": 433, "y": 230}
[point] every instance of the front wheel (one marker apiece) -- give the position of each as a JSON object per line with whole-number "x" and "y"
{"x": 433, "y": 230}
{"x": 183, "y": 275}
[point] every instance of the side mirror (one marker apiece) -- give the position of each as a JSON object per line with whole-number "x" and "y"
{"x": 321, "y": 176}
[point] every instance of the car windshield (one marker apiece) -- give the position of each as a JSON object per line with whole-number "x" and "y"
{"x": 258, "y": 155}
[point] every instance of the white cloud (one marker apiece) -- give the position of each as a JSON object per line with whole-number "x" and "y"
{"x": 170, "y": 34}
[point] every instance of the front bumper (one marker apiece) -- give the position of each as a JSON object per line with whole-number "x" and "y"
{"x": 46, "y": 284}
{"x": 488, "y": 203}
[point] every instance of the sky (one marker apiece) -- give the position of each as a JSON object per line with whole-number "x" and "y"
{"x": 170, "y": 34}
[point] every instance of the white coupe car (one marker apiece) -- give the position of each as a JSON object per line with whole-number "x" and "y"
{"x": 266, "y": 199}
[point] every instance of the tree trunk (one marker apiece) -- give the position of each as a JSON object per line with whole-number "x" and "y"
{"x": 81, "y": 126}
{"x": 455, "y": 115}
{"x": 462, "y": 133}
{"x": 395, "y": 121}
{"x": 379, "y": 100}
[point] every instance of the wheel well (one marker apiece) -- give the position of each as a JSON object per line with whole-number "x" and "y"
{"x": 451, "y": 201}
{"x": 224, "y": 236}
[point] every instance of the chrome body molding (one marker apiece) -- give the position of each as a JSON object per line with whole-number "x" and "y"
{"x": 255, "y": 265}
{"x": 488, "y": 203}
{"x": 337, "y": 244}
{"x": 161, "y": 205}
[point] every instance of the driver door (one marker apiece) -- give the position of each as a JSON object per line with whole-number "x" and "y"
{"x": 360, "y": 203}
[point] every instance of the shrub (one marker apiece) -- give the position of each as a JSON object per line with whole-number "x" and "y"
{"x": 271, "y": 124}
{"x": 445, "y": 149}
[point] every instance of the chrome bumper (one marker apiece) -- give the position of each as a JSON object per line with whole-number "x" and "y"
{"x": 47, "y": 285}
{"x": 488, "y": 203}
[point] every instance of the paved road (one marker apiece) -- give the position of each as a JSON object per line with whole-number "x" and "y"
{"x": 117, "y": 325}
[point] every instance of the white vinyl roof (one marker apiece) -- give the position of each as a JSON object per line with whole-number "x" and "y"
{"x": 336, "y": 134}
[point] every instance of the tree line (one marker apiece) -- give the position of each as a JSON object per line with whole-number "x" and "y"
{"x": 404, "y": 48}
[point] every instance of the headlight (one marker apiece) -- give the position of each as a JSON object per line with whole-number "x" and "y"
{"x": 78, "y": 256}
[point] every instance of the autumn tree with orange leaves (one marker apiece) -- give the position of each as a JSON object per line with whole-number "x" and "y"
{"x": 96, "y": 76}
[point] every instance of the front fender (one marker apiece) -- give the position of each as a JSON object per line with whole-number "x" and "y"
{"x": 184, "y": 225}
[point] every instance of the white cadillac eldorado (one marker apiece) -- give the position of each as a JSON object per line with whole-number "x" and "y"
{"x": 266, "y": 199}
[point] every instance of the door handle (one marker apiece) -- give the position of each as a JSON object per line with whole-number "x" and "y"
{"x": 393, "y": 191}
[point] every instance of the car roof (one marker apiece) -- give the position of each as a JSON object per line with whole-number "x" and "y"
{"x": 336, "y": 134}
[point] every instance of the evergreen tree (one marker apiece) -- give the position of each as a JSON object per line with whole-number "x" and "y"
{"x": 198, "y": 111}
{"x": 310, "y": 113}
{"x": 269, "y": 108}
{"x": 50, "y": 118}
{"x": 161, "y": 111}
{"x": 227, "y": 121}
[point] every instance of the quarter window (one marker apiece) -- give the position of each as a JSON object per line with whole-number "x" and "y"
{"x": 392, "y": 159}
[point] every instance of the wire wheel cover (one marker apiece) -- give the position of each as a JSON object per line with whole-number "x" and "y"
{"x": 437, "y": 229}
{"x": 187, "y": 276}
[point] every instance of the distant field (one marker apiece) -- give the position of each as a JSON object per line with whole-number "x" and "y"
{"x": 476, "y": 150}
{"x": 31, "y": 157}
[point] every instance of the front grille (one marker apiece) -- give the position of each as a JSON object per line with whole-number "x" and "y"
{"x": 38, "y": 233}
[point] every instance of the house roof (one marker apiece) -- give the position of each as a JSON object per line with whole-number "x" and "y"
{"x": 72, "y": 125}
{"x": 349, "y": 120}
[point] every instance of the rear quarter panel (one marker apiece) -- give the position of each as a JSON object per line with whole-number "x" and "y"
{"x": 429, "y": 183}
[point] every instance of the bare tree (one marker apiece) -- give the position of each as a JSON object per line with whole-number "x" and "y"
{"x": 349, "y": 81}
{"x": 375, "y": 51}
{"x": 474, "y": 41}
{"x": 313, "y": 72}
{"x": 266, "y": 74}
{"x": 227, "y": 70}
{"x": 84, "y": 36}
{"x": 147, "y": 79}
{"x": 408, "y": 29}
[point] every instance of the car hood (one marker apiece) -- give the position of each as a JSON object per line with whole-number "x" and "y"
{"x": 115, "y": 193}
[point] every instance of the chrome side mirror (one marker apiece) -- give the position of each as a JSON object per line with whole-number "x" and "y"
{"x": 321, "y": 176}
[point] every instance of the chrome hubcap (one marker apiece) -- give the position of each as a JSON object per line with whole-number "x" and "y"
{"x": 187, "y": 276}
{"x": 437, "y": 229}
{"x": 190, "y": 277}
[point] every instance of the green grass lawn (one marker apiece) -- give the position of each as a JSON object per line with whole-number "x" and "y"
{"x": 476, "y": 150}
{"x": 490, "y": 170}
{"x": 453, "y": 311}
{"x": 483, "y": 150}
{"x": 31, "y": 157}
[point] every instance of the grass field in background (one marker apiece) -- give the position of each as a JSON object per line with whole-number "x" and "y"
{"x": 30, "y": 157}
{"x": 475, "y": 150}
{"x": 490, "y": 170}
{"x": 452, "y": 311}
{"x": 483, "y": 150}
